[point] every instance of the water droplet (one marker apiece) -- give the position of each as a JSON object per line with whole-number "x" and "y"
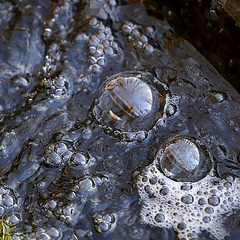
{"x": 183, "y": 160}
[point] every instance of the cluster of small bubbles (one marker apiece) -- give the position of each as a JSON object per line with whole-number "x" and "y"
{"x": 59, "y": 154}
{"x": 8, "y": 202}
{"x": 57, "y": 87}
{"x": 139, "y": 136}
{"x": 101, "y": 45}
{"x": 8, "y": 143}
{"x": 58, "y": 26}
{"x": 188, "y": 206}
{"x": 104, "y": 222}
{"x": 136, "y": 37}
{"x": 61, "y": 22}
{"x": 131, "y": 103}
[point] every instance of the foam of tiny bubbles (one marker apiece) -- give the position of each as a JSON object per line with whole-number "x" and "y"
{"x": 197, "y": 206}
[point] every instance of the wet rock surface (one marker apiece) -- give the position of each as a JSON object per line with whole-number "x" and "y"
{"x": 110, "y": 123}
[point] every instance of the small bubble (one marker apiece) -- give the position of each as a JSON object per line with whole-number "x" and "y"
{"x": 126, "y": 29}
{"x": 12, "y": 219}
{"x": 101, "y": 61}
{"x": 141, "y": 136}
{"x": 164, "y": 191}
{"x": 147, "y": 48}
{"x": 202, "y": 201}
{"x": 153, "y": 180}
{"x": 171, "y": 110}
{"x": 7, "y": 200}
{"x": 108, "y": 50}
{"x": 85, "y": 184}
{"x": 214, "y": 200}
{"x": 53, "y": 233}
{"x": 72, "y": 196}
{"x": 43, "y": 236}
{"x": 160, "y": 217}
{"x": 206, "y": 219}
{"x": 209, "y": 210}
{"x": 182, "y": 226}
{"x": 186, "y": 187}
{"x": 67, "y": 156}
{"x": 135, "y": 33}
{"x": 218, "y": 97}
{"x": 51, "y": 204}
{"x": 87, "y": 133}
{"x": 78, "y": 159}
{"x": 53, "y": 159}
{"x": 188, "y": 199}
{"x": 60, "y": 148}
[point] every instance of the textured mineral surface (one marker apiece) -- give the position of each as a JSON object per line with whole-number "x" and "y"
{"x": 112, "y": 127}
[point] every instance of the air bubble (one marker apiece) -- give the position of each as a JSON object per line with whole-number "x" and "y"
{"x": 171, "y": 110}
{"x": 219, "y": 97}
{"x": 214, "y": 200}
{"x": 164, "y": 191}
{"x": 53, "y": 233}
{"x": 78, "y": 159}
{"x": 12, "y": 219}
{"x": 207, "y": 219}
{"x": 202, "y": 201}
{"x": 7, "y": 200}
{"x": 147, "y": 48}
{"x": 182, "y": 226}
{"x": 53, "y": 159}
{"x": 188, "y": 199}
{"x": 183, "y": 160}
{"x": 129, "y": 102}
{"x": 209, "y": 210}
{"x": 160, "y": 218}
